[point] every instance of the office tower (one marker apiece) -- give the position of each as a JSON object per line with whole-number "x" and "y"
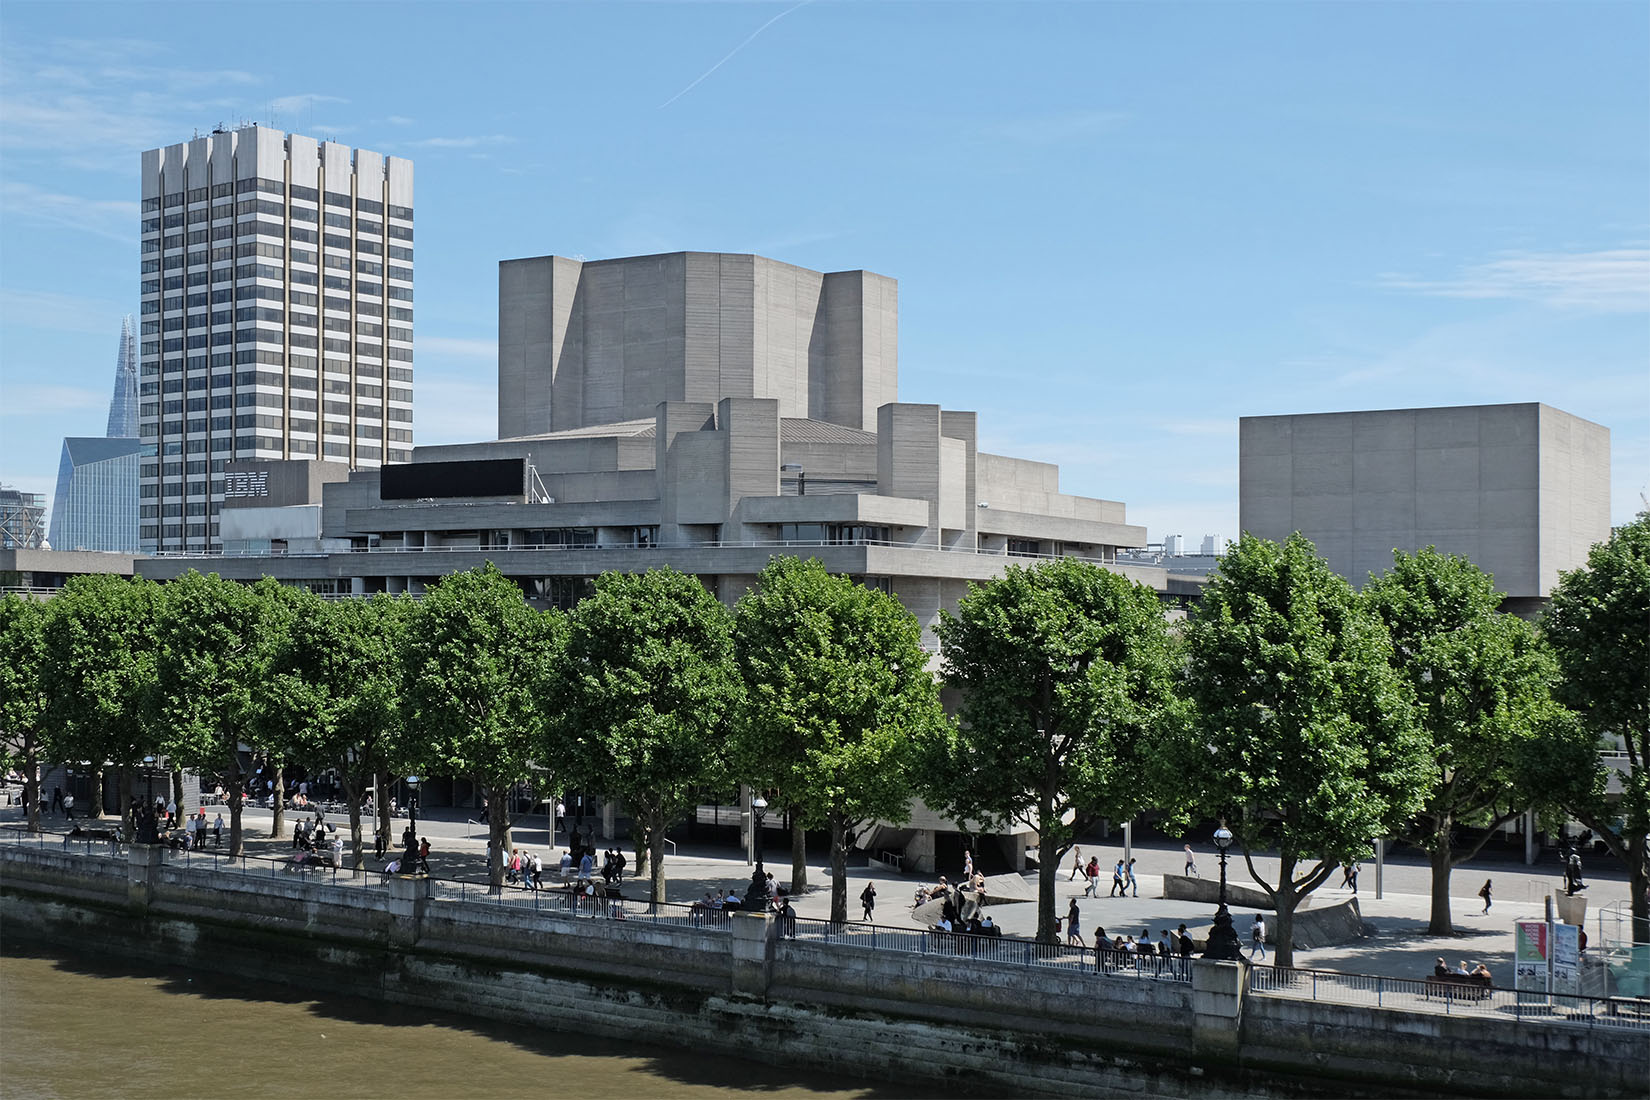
{"x": 1174, "y": 546}
{"x": 96, "y": 503}
{"x": 1210, "y": 546}
{"x": 22, "y": 519}
{"x": 276, "y": 320}
{"x": 123, "y": 406}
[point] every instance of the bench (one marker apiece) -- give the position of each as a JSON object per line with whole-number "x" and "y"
{"x": 1460, "y": 987}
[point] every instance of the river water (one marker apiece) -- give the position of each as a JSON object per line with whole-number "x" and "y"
{"x": 74, "y": 1025}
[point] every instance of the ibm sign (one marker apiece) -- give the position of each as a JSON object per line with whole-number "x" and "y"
{"x": 246, "y": 483}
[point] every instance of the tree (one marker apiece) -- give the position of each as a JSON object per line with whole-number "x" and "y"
{"x": 215, "y": 641}
{"x": 100, "y": 674}
{"x": 476, "y": 662}
{"x": 1598, "y": 624}
{"x": 838, "y": 701}
{"x": 1300, "y": 733}
{"x": 1066, "y": 673}
{"x": 650, "y": 682}
{"x": 335, "y": 683}
{"x": 23, "y": 694}
{"x": 1497, "y": 743}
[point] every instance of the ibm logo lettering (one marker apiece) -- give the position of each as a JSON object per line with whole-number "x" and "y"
{"x": 246, "y": 484}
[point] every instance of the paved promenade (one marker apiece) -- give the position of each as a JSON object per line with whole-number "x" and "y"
{"x": 1399, "y": 946}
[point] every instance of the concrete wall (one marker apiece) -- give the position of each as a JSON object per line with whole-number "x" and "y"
{"x": 994, "y": 1027}
{"x": 1516, "y": 488}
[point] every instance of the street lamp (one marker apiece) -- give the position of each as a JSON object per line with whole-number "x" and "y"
{"x": 409, "y": 862}
{"x": 759, "y": 878}
{"x": 1223, "y": 938}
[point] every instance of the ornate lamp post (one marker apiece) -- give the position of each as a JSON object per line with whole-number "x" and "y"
{"x": 409, "y": 861}
{"x": 758, "y": 892}
{"x": 1223, "y": 938}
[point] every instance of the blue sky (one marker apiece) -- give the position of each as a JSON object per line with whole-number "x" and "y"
{"x": 1116, "y": 227}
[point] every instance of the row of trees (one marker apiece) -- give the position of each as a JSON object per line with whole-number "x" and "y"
{"x": 1308, "y": 716}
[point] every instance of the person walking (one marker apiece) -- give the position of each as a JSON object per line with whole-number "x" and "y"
{"x": 1349, "y": 877}
{"x": 1485, "y": 892}
{"x": 1093, "y": 889}
{"x": 1118, "y": 882}
{"x": 1074, "y": 925}
{"x": 1132, "y": 881}
{"x": 217, "y": 831}
{"x": 868, "y": 901}
{"x": 968, "y": 865}
{"x": 1076, "y": 864}
{"x": 1191, "y": 863}
{"x": 68, "y": 807}
{"x": 1257, "y": 938}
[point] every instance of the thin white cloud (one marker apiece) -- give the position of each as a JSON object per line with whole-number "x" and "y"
{"x": 700, "y": 79}
{"x": 399, "y": 120}
{"x": 1607, "y": 281}
{"x": 458, "y": 347}
{"x": 297, "y": 104}
{"x": 1058, "y": 128}
{"x": 32, "y": 399}
{"x": 61, "y": 312}
{"x": 451, "y": 411}
{"x": 116, "y": 219}
{"x": 472, "y": 141}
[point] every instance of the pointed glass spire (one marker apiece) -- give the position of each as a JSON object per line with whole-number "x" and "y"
{"x": 123, "y": 407}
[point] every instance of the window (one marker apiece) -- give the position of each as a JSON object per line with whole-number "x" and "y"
{"x": 151, "y": 203}
{"x": 302, "y": 235}
{"x": 402, "y": 273}
{"x": 399, "y": 253}
{"x": 299, "y": 191}
{"x": 339, "y": 221}
{"x": 402, "y": 212}
{"x": 302, "y": 214}
{"x": 1024, "y": 547}
{"x": 367, "y": 225}
{"x": 371, "y": 248}
{"x": 369, "y": 206}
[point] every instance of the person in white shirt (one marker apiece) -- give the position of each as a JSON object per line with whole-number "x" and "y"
{"x": 1257, "y": 938}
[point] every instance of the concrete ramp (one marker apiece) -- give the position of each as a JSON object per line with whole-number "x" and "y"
{"x": 1000, "y": 889}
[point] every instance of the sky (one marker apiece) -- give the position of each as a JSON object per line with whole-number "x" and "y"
{"x": 1117, "y": 227}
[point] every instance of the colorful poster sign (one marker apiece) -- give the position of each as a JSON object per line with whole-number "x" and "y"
{"x": 1530, "y": 955}
{"x": 1566, "y": 952}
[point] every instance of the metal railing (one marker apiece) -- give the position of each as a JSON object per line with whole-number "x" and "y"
{"x": 1451, "y": 998}
{"x": 1011, "y": 951}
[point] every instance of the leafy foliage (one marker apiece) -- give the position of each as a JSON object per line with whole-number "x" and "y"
{"x": 838, "y": 701}
{"x": 1598, "y": 624}
{"x": 1066, "y": 673}
{"x": 23, "y": 694}
{"x": 477, "y": 663}
{"x": 1301, "y": 733}
{"x": 649, "y": 685}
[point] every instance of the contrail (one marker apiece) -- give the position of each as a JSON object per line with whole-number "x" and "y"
{"x": 736, "y": 49}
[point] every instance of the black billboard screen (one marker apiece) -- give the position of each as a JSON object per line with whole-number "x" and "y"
{"x": 482, "y": 477}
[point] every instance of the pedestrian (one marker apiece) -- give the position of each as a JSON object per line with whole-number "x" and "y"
{"x": 1119, "y": 885}
{"x": 57, "y": 799}
{"x": 424, "y": 854}
{"x": 1076, "y": 864}
{"x": 1074, "y": 925}
{"x": 1349, "y": 877}
{"x": 587, "y": 866}
{"x": 1257, "y": 938}
{"x": 1132, "y": 881}
{"x": 1191, "y": 863}
{"x": 1484, "y": 892}
{"x": 968, "y": 865}
{"x": 1093, "y": 889}
{"x": 171, "y": 813}
{"x": 868, "y": 900}
{"x": 68, "y": 807}
{"x": 217, "y": 831}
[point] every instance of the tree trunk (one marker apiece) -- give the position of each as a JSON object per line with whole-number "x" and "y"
{"x": 128, "y": 827}
{"x": 94, "y": 797}
{"x": 656, "y": 847}
{"x": 1442, "y": 865}
{"x": 277, "y": 825}
{"x": 177, "y": 793}
{"x": 499, "y": 845}
{"x": 799, "y": 854}
{"x": 1286, "y": 898}
{"x": 31, "y": 784}
{"x": 352, "y": 795}
{"x": 381, "y": 807}
{"x": 1047, "y": 869}
{"x": 638, "y": 842}
{"x": 237, "y": 797}
{"x": 1638, "y": 877}
{"x": 839, "y": 868}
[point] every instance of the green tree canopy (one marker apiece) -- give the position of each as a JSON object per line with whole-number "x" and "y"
{"x": 648, "y": 687}
{"x": 216, "y": 638}
{"x": 838, "y": 701}
{"x": 335, "y": 683}
{"x": 100, "y": 638}
{"x": 1497, "y": 743}
{"x": 1598, "y": 624}
{"x": 1301, "y": 735}
{"x": 1066, "y": 672}
{"x": 477, "y": 659}
{"x": 23, "y": 694}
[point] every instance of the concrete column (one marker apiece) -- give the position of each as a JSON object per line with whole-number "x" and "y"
{"x": 747, "y": 825}
{"x": 753, "y": 937}
{"x": 1529, "y": 838}
{"x": 1218, "y": 989}
{"x": 142, "y": 863}
{"x": 607, "y": 820}
{"x": 409, "y": 895}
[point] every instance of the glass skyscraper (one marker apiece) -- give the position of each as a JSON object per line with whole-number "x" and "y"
{"x": 96, "y": 506}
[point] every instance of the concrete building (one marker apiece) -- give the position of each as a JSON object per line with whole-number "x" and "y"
{"x": 699, "y": 449}
{"x": 1522, "y": 490}
{"x": 276, "y": 317}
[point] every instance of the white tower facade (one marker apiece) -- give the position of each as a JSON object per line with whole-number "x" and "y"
{"x": 276, "y": 316}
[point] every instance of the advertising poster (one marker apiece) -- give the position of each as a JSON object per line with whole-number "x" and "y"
{"x": 1566, "y": 951}
{"x": 1530, "y": 955}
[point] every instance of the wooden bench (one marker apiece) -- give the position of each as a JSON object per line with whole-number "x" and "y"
{"x": 1460, "y": 987}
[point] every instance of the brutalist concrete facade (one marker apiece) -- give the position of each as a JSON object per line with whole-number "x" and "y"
{"x": 789, "y": 440}
{"x": 1522, "y": 490}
